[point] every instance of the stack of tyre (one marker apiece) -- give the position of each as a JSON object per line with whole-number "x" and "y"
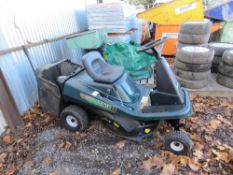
{"x": 225, "y": 70}
{"x": 219, "y": 48}
{"x": 192, "y": 66}
{"x": 194, "y": 33}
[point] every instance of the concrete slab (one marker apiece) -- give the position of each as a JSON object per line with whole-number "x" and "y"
{"x": 213, "y": 89}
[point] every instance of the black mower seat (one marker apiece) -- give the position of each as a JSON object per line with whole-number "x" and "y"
{"x": 99, "y": 70}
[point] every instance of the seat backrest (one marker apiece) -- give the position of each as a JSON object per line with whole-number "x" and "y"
{"x": 93, "y": 61}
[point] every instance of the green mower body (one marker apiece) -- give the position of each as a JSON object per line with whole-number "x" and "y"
{"x": 131, "y": 110}
{"x": 122, "y": 102}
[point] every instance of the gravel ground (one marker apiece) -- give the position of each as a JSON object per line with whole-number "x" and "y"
{"x": 43, "y": 146}
{"x": 96, "y": 152}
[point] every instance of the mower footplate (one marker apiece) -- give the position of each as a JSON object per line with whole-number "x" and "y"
{"x": 140, "y": 134}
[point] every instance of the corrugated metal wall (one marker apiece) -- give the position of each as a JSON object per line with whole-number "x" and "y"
{"x": 26, "y": 21}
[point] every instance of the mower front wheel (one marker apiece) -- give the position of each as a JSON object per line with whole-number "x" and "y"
{"x": 178, "y": 142}
{"x": 74, "y": 118}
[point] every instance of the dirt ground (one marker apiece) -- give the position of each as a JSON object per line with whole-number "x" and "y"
{"x": 44, "y": 147}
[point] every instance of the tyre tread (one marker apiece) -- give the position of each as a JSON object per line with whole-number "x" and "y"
{"x": 228, "y": 57}
{"x": 220, "y": 48}
{"x": 193, "y": 39}
{"x": 79, "y": 112}
{"x": 225, "y": 69}
{"x": 192, "y": 75}
{"x": 192, "y": 67}
{"x": 225, "y": 80}
{"x": 196, "y": 27}
{"x": 195, "y": 54}
{"x": 178, "y": 135}
{"x": 192, "y": 84}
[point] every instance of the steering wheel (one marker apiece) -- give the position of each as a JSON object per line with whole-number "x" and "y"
{"x": 152, "y": 44}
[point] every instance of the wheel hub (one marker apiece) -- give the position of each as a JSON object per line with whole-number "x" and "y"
{"x": 176, "y": 146}
{"x": 72, "y": 121}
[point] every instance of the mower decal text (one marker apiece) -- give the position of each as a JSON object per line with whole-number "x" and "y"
{"x": 97, "y": 102}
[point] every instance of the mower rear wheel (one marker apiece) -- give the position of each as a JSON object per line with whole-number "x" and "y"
{"x": 178, "y": 142}
{"x": 74, "y": 118}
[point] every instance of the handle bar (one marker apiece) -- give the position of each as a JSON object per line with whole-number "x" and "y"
{"x": 152, "y": 44}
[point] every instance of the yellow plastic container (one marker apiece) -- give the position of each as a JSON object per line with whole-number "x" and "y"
{"x": 174, "y": 12}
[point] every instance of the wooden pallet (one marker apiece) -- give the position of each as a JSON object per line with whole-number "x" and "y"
{"x": 148, "y": 81}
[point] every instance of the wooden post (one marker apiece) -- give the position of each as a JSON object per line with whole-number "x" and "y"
{"x": 8, "y": 106}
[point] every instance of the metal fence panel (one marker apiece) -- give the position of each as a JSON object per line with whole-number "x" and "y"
{"x": 18, "y": 27}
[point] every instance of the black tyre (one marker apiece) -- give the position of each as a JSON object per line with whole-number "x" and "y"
{"x": 179, "y": 45}
{"x": 228, "y": 57}
{"x": 216, "y": 60}
{"x": 192, "y": 84}
{"x": 214, "y": 68}
{"x": 195, "y": 55}
{"x": 178, "y": 142}
{"x": 192, "y": 75}
{"x": 74, "y": 118}
{"x": 192, "y": 67}
{"x": 196, "y": 27}
{"x": 225, "y": 80}
{"x": 193, "y": 39}
{"x": 225, "y": 69}
{"x": 220, "y": 48}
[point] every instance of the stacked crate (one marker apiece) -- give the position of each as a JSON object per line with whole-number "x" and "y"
{"x": 117, "y": 18}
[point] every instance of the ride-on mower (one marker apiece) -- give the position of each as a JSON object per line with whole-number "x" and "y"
{"x": 131, "y": 110}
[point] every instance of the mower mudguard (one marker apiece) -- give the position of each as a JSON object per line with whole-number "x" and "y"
{"x": 184, "y": 112}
